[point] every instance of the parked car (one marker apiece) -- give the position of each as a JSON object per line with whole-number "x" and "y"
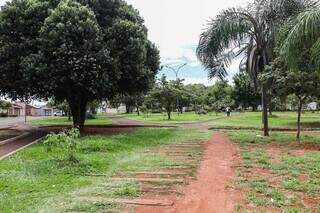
{"x": 58, "y": 113}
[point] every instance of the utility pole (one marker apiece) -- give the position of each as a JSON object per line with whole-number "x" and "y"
{"x": 25, "y": 112}
{"x": 176, "y": 72}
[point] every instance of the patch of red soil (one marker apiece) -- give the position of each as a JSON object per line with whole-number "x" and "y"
{"x": 299, "y": 152}
{"x": 275, "y": 152}
{"x": 209, "y": 193}
{"x": 310, "y": 202}
{"x": 302, "y": 177}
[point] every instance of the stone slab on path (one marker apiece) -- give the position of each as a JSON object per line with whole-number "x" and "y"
{"x": 145, "y": 202}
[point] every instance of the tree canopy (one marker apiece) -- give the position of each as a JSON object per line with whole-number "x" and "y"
{"x": 79, "y": 51}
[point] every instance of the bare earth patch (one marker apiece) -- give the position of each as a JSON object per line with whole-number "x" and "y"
{"x": 210, "y": 191}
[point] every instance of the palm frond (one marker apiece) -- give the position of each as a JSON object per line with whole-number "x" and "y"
{"x": 306, "y": 30}
{"x": 315, "y": 52}
{"x": 230, "y": 29}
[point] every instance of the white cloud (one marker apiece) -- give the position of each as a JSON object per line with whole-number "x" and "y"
{"x": 175, "y": 24}
{"x": 175, "y": 27}
{"x": 204, "y": 81}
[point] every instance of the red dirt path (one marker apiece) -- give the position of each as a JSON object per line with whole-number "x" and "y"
{"x": 209, "y": 193}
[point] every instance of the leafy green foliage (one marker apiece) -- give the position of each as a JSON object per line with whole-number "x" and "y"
{"x": 66, "y": 141}
{"x": 166, "y": 94}
{"x": 245, "y": 94}
{"x": 219, "y": 96}
{"x": 5, "y": 104}
{"x": 76, "y": 51}
{"x": 305, "y": 29}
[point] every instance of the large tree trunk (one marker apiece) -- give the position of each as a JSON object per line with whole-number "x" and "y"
{"x": 128, "y": 108}
{"x": 181, "y": 109}
{"x": 169, "y": 114}
{"x": 265, "y": 110}
{"x": 69, "y": 115}
{"x": 299, "y": 120}
{"x": 78, "y": 110}
{"x": 83, "y": 112}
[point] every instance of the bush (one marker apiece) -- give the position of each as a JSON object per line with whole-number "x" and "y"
{"x": 3, "y": 115}
{"x": 65, "y": 141}
{"x": 202, "y": 112}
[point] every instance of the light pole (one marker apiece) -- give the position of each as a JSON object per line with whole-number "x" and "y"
{"x": 176, "y": 72}
{"x": 25, "y": 112}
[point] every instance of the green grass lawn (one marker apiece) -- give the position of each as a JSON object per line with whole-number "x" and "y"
{"x": 34, "y": 180}
{"x": 278, "y": 119}
{"x": 51, "y": 121}
{"x": 277, "y": 173}
{"x": 175, "y": 118}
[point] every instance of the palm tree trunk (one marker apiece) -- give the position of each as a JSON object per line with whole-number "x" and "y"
{"x": 299, "y": 120}
{"x": 301, "y": 101}
{"x": 265, "y": 110}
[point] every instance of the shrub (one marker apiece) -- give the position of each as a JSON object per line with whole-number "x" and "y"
{"x": 3, "y": 115}
{"x": 65, "y": 141}
{"x": 202, "y": 112}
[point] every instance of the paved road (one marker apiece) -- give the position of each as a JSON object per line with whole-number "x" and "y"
{"x": 14, "y": 121}
{"x": 7, "y": 122}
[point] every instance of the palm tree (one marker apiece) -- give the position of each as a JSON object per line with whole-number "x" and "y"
{"x": 248, "y": 32}
{"x": 304, "y": 30}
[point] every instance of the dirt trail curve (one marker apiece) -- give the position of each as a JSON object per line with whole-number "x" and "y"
{"x": 122, "y": 120}
{"x": 209, "y": 193}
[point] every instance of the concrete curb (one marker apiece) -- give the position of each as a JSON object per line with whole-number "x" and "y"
{"x": 8, "y": 127}
{"x": 21, "y": 148}
{"x": 26, "y": 134}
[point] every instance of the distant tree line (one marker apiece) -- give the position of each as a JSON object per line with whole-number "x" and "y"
{"x": 173, "y": 96}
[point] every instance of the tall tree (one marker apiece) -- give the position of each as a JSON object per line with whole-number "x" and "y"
{"x": 73, "y": 58}
{"x": 249, "y": 31}
{"x": 75, "y": 51}
{"x": 166, "y": 95}
{"x": 245, "y": 94}
{"x": 300, "y": 46}
{"x": 302, "y": 82}
{"x": 219, "y": 96}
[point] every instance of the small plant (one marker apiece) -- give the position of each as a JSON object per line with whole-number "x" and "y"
{"x": 65, "y": 141}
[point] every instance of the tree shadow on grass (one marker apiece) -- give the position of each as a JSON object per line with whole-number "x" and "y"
{"x": 314, "y": 124}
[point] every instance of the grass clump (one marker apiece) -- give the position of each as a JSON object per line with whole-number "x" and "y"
{"x": 277, "y": 172}
{"x": 100, "y": 207}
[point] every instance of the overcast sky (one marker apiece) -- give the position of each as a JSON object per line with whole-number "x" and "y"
{"x": 175, "y": 26}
